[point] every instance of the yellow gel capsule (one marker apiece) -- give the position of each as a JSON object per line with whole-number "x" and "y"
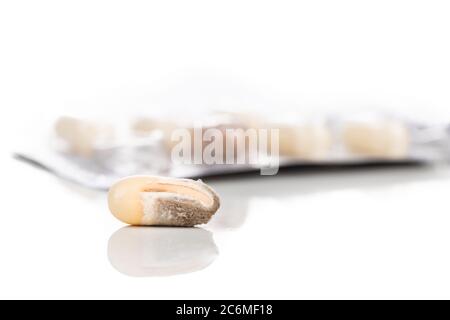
{"x": 385, "y": 140}
{"x": 152, "y": 200}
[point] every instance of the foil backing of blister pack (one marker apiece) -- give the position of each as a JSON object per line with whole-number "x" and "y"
{"x": 95, "y": 154}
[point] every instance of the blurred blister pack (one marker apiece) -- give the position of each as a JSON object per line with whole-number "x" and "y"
{"x": 95, "y": 152}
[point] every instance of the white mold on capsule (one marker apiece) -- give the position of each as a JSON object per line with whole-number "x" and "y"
{"x": 151, "y": 200}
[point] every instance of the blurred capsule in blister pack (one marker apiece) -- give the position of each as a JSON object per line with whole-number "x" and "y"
{"x": 107, "y": 150}
{"x": 95, "y": 153}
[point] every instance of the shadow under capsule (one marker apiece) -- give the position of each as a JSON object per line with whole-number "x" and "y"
{"x": 161, "y": 251}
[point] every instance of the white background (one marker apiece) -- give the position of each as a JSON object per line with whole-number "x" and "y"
{"x": 377, "y": 234}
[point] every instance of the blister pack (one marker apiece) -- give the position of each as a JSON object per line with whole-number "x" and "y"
{"x": 96, "y": 153}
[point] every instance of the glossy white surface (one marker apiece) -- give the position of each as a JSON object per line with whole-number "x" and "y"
{"x": 376, "y": 234}
{"x": 360, "y": 234}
